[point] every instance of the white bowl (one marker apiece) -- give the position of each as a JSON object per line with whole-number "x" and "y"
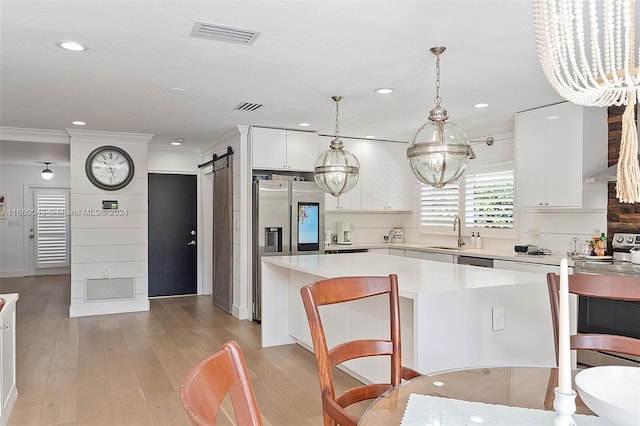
{"x": 612, "y": 392}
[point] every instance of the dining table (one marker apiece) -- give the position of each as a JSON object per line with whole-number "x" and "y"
{"x": 471, "y": 396}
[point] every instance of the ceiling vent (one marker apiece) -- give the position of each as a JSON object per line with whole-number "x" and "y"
{"x": 221, "y": 33}
{"x": 248, "y": 106}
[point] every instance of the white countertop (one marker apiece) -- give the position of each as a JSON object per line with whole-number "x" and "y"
{"x": 552, "y": 259}
{"x": 415, "y": 276}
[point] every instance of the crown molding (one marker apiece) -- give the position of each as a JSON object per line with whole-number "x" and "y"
{"x": 19, "y": 134}
{"x": 109, "y": 137}
{"x": 226, "y": 139}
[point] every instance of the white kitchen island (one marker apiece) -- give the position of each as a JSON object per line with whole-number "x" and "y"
{"x": 446, "y": 311}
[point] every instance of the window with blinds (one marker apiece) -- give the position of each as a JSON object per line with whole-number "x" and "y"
{"x": 485, "y": 199}
{"x": 488, "y": 200}
{"x": 439, "y": 207}
{"x": 51, "y": 229}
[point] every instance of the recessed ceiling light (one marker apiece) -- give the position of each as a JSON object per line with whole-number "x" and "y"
{"x": 552, "y": 117}
{"x": 78, "y": 123}
{"x": 384, "y": 90}
{"x": 303, "y": 124}
{"x": 481, "y": 105}
{"x": 177, "y": 142}
{"x": 177, "y": 89}
{"x": 369, "y": 137}
{"x": 73, "y": 46}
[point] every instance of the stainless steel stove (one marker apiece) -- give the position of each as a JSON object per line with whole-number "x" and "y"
{"x": 619, "y": 263}
{"x": 607, "y": 316}
{"x": 622, "y": 246}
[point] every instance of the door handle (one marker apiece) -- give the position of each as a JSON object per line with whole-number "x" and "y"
{"x": 191, "y": 243}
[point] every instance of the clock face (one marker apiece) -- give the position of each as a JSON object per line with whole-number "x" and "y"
{"x": 109, "y": 168}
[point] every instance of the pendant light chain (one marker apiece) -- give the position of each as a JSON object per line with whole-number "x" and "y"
{"x": 337, "y": 142}
{"x": 337, "y": 133}
{"x": 438, "y": 99}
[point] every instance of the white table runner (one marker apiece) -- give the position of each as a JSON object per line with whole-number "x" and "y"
{"x": 425, "y": 410}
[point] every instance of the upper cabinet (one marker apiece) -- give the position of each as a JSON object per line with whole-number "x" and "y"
{"x": 279, "y": 149}
{"x": 386, "y": 179}
{"x": 385, "y": 182}
{"x": 557, "y": 147}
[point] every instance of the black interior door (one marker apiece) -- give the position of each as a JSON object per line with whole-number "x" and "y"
{"x": 172, "y": 234}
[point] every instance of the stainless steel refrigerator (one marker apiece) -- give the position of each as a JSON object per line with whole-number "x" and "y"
{"x": 288, "y": 219}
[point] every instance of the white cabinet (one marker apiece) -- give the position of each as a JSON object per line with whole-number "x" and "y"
{"x": 386, "y": 178}
{"x": 557, "y": 147}
{"x": 396, "y": 252}
{"x": 279, "y": 149}
{"x": 526, "y": 267}
{"x": 302, "y": 150}
{"x": 429, "y": 255}
{"x": 379, "y": 250}
{"x": 385, "y": 182}
{"x": 8, "y": 390}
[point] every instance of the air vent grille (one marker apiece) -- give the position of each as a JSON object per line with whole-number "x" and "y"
{"x": 110, "y": 288}
{"x": 248, "y": 106}
{"x": 221, "y": 33}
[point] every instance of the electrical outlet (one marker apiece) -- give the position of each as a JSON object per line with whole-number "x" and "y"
{"x": 497, "y": 322}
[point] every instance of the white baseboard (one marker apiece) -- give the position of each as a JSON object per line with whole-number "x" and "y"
{"x": 12, "y": 273}
{"x": 240, "y": 313}
{"x": 105, "y": 308}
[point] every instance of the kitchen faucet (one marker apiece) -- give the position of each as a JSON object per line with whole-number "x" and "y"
{"x": 460, "y": 240}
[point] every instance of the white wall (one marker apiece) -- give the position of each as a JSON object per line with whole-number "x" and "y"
{"x": 13, "y": 180}
{"x": 176, "y": 160}
{"x": 105, "y": 246}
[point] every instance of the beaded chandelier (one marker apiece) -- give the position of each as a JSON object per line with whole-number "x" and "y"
{"x": 589, "y": 57}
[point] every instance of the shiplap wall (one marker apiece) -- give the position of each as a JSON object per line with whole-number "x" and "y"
{"x": 108, "y": 246}
{"x": 621, "y": 217}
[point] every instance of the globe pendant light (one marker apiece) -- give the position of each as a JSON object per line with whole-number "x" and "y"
{"x": 440, "y": 151}
{"x": 47, "y": 173}
{"x": 589, "y": 54}
{"x": 337, "y": 170}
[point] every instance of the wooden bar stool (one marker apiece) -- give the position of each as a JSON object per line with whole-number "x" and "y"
{"x": 207, "y": 384}
{"x": 345, "y": 289}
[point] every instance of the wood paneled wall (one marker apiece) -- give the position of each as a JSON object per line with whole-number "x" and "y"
{"x": 621, "y": 217}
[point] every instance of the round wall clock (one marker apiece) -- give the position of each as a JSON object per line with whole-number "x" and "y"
{"x": 109, "y": 167}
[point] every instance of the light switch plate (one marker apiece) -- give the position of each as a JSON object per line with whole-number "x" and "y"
{"x": 497, "y": 318}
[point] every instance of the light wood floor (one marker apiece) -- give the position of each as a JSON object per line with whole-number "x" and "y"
{"x": 125, "y": 369}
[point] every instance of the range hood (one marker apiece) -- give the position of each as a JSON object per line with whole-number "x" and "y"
{"x": 608, "y": 175}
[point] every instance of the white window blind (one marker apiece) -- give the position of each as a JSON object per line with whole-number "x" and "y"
{"x": 51, "y": 229}
{"x": 484, "y": 198}
{"x": 489, "y": 200}
{"x": 439, "y": 206}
